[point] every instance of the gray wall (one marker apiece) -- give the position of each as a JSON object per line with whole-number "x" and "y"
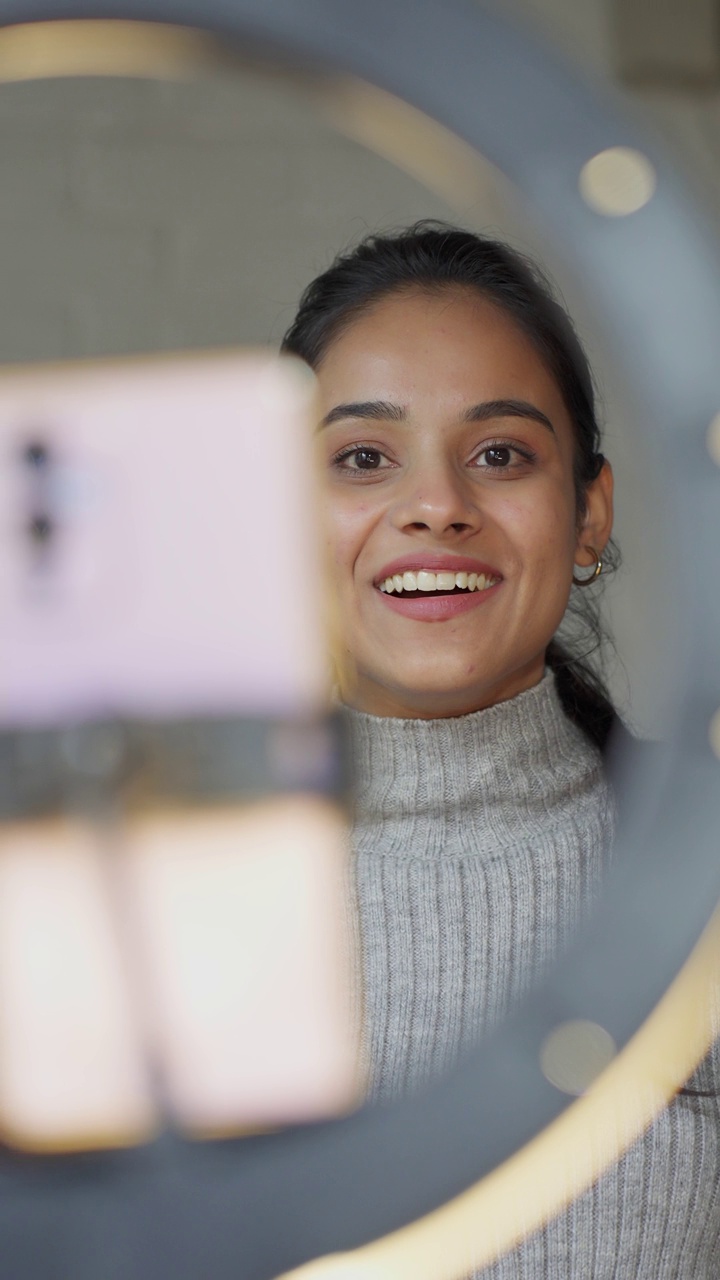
{"x": 142, "y": 215}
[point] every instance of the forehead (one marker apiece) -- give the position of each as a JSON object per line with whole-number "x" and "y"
{"x": 450, "y": 345}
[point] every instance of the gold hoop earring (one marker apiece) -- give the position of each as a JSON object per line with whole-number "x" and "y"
{"x": 585, "y": 582}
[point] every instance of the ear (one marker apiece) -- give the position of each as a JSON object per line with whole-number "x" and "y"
{"x": 596, "y": 525}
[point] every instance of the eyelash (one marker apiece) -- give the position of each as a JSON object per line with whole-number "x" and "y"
{"x": 339, "y": 459}
{"x": 525, "y": 453}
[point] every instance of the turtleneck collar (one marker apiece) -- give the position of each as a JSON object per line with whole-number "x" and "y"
{"x": 488, "y": 777}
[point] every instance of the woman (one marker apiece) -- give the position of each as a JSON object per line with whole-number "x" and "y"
{"x": 465, "y": 492}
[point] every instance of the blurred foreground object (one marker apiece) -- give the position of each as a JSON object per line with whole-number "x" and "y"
{"x": 171, "y": 844}
{"x": 190, "y": 1210}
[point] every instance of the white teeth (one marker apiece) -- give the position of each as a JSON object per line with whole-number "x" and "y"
{"x": 424, "y": 580}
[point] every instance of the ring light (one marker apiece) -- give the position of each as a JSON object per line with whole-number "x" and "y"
{"x": 624, "y": 220}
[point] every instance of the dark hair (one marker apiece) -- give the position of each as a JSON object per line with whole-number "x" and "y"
{"x": 433, "y": 256}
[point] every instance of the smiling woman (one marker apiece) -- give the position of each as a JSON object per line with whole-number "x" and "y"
{"x": 471, "y": 471}
{"x": 464, "y": 494}
{"x": 459, "y": 435}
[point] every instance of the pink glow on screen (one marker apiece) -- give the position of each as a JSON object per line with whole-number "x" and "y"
{"x": 184, "y": 576}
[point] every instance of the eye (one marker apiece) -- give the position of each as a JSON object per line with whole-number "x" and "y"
{"x": 500, "y": 456}
{"x": 360, "y": 457}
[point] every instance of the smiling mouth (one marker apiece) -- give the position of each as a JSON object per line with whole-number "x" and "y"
{"x": 415, "y": 585}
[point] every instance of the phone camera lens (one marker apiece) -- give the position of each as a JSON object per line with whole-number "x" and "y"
{"x": 36, "y": 455}
{"x": 40, "y": 529}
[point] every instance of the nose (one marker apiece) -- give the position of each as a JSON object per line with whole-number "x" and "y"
{"x": 437, "y": 500}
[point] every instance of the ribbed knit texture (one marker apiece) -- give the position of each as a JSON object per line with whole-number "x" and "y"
{"x": 480, "y": 841}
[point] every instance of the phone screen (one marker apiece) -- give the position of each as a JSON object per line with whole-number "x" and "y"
{"x": 172, "y": 852}
{"x": 157, "y": 552}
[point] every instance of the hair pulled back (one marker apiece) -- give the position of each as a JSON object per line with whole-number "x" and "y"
{"x": 433, "y": 257}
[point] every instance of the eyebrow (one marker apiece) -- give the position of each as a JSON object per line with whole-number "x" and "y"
{"x": 384, "y": 411}
{"x": 376, "y": 410}
{"x": 507, "y": 409}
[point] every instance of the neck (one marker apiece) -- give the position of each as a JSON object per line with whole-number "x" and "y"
{"x": 429, "y": 704}
{"x": 468, "y": 776}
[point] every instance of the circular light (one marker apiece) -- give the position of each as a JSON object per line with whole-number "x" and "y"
{"x": 713, "y": 439}
{"x": 375, "y": 1172}
{"x": 32, "y": 51}
{"x": 714, "y": 734}
{"x": 617, "y": 181}
{"x": 575, "y": 1054}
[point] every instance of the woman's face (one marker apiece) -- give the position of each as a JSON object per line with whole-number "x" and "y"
{"x": 447, "y": 451}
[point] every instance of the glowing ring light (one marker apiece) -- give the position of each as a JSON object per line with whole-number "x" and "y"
{"x": 624, "y": 220}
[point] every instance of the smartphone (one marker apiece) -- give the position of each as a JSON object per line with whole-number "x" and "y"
{"x": 157, "y": 548}
{"x": 173, "y": 926}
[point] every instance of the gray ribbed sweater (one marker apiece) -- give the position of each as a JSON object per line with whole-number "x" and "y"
{"x": 479, "y": 843}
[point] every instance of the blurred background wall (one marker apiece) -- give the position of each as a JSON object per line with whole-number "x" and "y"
{"x": 144, "y": 215}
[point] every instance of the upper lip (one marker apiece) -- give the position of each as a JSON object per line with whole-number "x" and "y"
{"x": 433, "y": 562}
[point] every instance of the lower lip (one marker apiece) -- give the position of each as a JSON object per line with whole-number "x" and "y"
{"x": 437, "y": 608}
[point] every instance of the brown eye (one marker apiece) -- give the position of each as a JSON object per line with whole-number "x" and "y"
{"x": 360, "y": 459}
{"x": 497, "y": 456}
{"x": 509, "y": 460}
{"x": 367, "y": 459}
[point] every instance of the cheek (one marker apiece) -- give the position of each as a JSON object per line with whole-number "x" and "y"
{"x": 541, "y": 526}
